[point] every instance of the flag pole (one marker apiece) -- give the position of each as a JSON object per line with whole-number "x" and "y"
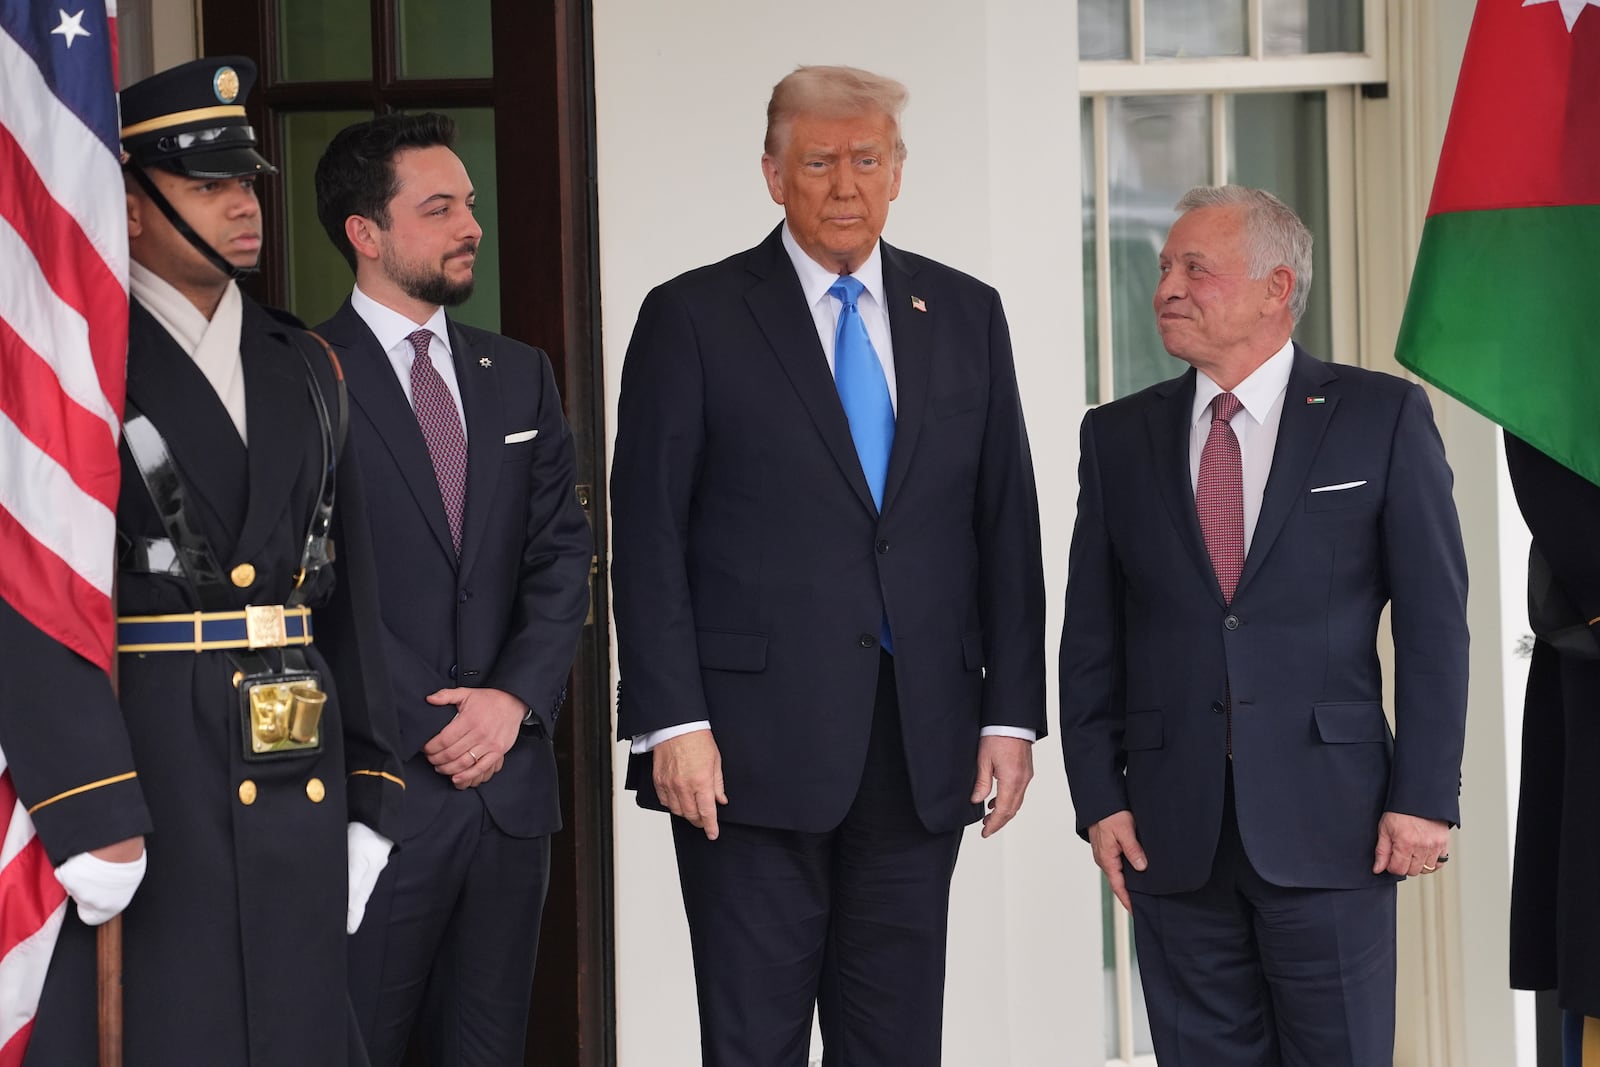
{"x": 108, "y": 936}
{"x": 109, "y": 945}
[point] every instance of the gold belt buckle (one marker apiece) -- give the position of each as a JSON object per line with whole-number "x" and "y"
{"x": 263, "y": 626}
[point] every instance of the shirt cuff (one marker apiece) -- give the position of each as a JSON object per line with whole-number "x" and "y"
{"x": 645, "y": 742}
{"x": 1021, "y": 733}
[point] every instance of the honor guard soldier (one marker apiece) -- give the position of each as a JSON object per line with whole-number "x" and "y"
{"x": 245, "y": 725}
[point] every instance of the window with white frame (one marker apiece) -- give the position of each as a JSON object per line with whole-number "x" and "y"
{"x": 1178, "y": 93}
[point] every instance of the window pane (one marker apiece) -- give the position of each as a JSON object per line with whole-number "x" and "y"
{"x": 1294, "y": 27}
{"x": 1103, "y": 29}
{"x": 324, "y": 40}
{"x": 319, "y": 278}
{"x": 1108, "y": 958}
{"x": 445, "y": 40}
{"x": 1181, "y": 29}
{"x": 475, "y": 146}
{"x": 1279, "y": 142}
{"x": 1159, "y": 148}
{"x": 1091, "y": 303}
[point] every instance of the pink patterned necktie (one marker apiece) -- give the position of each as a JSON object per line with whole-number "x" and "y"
{"x": 441, "y": 429}
{"x": 1219, "y": 495}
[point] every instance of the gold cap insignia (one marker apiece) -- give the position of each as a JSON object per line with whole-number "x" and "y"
{"x": 226, "y": 84}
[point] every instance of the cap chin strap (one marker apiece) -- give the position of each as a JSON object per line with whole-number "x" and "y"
{"x": 211, "y": 254}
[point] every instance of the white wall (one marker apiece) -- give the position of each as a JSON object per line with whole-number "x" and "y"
{"x": 991, "y": 187}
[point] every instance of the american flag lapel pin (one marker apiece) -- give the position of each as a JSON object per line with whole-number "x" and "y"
{"x": 919, "y": 303}
{"x": 1316, "y": 400}
{"x": 485, "y": 362}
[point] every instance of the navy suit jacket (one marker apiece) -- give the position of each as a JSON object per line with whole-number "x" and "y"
{"x": 508, "y": 613}
{"x": 751, "y": 568}
{"x": 1150, "y": 653}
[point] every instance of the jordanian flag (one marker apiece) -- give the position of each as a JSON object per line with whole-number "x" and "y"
{"x": 1504, "y": 309}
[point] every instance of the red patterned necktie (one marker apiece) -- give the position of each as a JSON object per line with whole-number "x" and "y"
{"x": 441, "y": 429}
{"x": 1219, "y": 495}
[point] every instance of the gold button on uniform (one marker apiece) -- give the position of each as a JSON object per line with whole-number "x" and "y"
{"x": 316, "y": 790}
{"x": 247, "y": 792}
{"x": 244, "y": 575}
{"x": 238, "y": 676}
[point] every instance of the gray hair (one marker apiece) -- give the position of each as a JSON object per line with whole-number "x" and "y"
{"x": 833, "y": 92}
{"x": 1274, "y": 235}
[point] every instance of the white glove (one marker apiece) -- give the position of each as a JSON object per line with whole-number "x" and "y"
{"x": 101, "y": 888}
{"x": 369, "y": 855}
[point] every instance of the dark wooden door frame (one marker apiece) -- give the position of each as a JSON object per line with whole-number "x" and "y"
{"x": 543, "y": 96}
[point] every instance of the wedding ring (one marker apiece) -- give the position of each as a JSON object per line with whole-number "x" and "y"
{"x": 474, "y": 756}
{"x": 1428, "y": 868}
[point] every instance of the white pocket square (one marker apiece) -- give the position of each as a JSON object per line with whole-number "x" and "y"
{"x": 1318, "y": 489}
{"x": 521, "y": 436}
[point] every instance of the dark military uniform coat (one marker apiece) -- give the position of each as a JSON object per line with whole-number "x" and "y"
{"x": 1555, "y": 882}
{"x": 234, "y": 946}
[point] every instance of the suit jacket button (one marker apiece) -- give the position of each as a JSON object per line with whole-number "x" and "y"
{"x": 243, "y": 576}
{"x": 1217, "y": 708}
{"x": 1231, "y": 622}
{"x": 452, "y": 670}
{"x": 247, "y": 792}
{"x": 315, "y": 790}
{"x": 867, "y": 640}
{"x": 883, "y": 548}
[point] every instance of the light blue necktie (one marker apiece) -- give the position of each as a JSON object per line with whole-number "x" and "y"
{"x": 863, "y": 389}
{"x": 864, "y": 392}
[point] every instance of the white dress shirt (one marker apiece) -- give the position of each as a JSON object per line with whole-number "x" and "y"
{"x": 1255, "y": 425}
{"x": 392, "y": 328}
{"x": 873, "y": 305}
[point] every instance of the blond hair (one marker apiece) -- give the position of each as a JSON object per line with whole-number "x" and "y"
{"x": 833, "y": 92}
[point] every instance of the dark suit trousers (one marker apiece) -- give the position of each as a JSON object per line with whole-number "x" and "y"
{"x": 851, "y": 922}
{"x": 448, "y": 943}
{"x": 1244, "y": 973}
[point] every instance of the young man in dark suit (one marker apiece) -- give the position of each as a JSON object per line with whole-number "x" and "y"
{"x": 1240, "y": 530}
{"x": 483, "y": 555}
{"x": 828, "y": 594}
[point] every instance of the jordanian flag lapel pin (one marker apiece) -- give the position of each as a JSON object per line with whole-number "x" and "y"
{"x": 1316, "y": 400}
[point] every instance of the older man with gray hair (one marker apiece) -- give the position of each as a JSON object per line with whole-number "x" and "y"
{"x": 829, "y": 595}
{"x": 1240, "y": 530}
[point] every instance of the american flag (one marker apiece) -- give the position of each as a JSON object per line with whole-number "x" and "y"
{"x": 63, "y": 348}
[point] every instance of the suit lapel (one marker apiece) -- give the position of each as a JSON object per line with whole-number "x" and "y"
{"x": 1169, "y": 421}
{"x": 377, "y": 392}
{"x": 779, "y": 307}
{"x": 165, "y": 384}
{"x": 279, "y": 419}
{"x": 912, "y": 333}
{"x": 484, "y": 413}
{"x": 1300, "y": 432}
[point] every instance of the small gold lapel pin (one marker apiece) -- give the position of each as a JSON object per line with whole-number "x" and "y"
{"x": 485, "y": 362}
{"x": 919, "y": 303}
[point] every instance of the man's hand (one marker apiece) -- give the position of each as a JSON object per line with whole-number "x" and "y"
{"x": 1007, "y": 762}
{"x": 688, "y": 778}
{"x": 1410, "y": 845}
{"x": 1113, "y": 840}
{"x": 471, "y": 748}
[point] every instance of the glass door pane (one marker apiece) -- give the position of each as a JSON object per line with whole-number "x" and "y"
{"x": 1159, "y": 148}
{"x": 1296, "y": 27}
{"x": 1183, "y": 29}
{"x": 445, "y": 40}
{"x": 1103, "y": 29}
{"x": 319, "y": 278}
{"x": 324, "y": 40}
{"x": 1091, "y": 301}
{"x": 1279, "y": 142}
